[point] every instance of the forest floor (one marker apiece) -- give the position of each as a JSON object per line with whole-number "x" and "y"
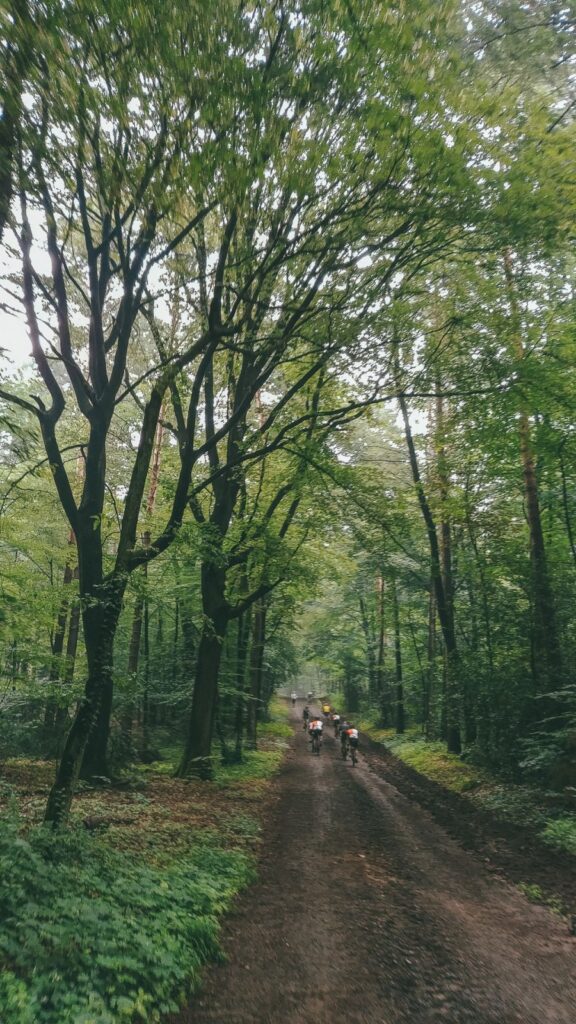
{"x": 382, "y": 900}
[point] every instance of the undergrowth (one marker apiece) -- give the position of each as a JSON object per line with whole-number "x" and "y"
{"x": 89, "y": 935}
{"x": 535, "y": 894}
{"x": 561, "y": 833}
{"x": 257, "y": 764}
{"x": 112, "y": 926}
{"x": 433, "y": 760}
{"x": 522, "y": 805}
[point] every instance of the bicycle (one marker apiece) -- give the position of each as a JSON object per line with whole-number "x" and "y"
{"x": 344, "y": 747}
{"x": 315, "y": 743}
{"x": 353, "y": 754}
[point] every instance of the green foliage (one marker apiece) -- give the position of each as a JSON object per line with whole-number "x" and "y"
{"x": 534, "y": 894}
{"x": 91, "y": 936}
{"x": 522, "y": 805}
{"x": 562, "y": 833}
{"x": 255, "y": 766}
{"x": 432, "y": 760}
{"x": 550, "y": 757}
{"x": 279, "y": 730}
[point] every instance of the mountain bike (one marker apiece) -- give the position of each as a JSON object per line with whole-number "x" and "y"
{"x": 353, "y": 753}
{"x": 344, "y": 747}
{"x": 315, "y": 743}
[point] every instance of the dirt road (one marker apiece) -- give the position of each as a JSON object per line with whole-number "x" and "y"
{"x": 367, "y": 911}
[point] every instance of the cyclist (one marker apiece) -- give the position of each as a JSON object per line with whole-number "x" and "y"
{"x": 326, "y": 709}
{"x": 305, "y": 716}
{"x": 353, "y": 738}
{"x": 294, "y": 696}
{"x": 315, "y": 731}
{"x": 344, "y": 726}
{"x": 336, "y": 723}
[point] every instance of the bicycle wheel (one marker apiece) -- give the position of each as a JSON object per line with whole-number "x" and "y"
{"x": 344, "y": 750}
{"x": 353, "y": 756}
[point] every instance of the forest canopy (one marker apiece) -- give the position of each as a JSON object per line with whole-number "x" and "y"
{"x": 297, "y": 399}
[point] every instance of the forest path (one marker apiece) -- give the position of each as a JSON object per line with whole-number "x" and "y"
{"x": 366, "y": 910}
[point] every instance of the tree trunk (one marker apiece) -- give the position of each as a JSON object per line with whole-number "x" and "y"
{"x": 127, "y": 717}
{"x": 380, "y": 663}
{"x": 452, "y": 686}
{"x": 470, "y": 694}
{"x": 72, "y": 642}
{"x": 566, "y": 509}
{"x": 547, "y": 666}
{"x": 546, "y": 647}
{"x": 146, "y": 703}
{"x": 351, "y": 697}
{"x": 60, "y": 717}
{"x": 61, "y": 720}
{"x": 95, "y": 760}
{"x": 57, "y": 651}
{"x": 431, "y": 662}
{"x": 100, "y": 619}
{"x": 255, "y": 673}
{"x": 189, "y": 638}
{"x": 443, "y": 605}
{"x": 483, "y": 589}
{"x": 126, "y": 724}
{"x": 424, "y": 696}
{"x": 95, "y": 765}
{"x": 175, "y": 675}
{"x": 400, "y": 713}
{"x": 241, "y": 659}
{"x": 369, "y": 640}
{"x": 197, "y": 757}
{"x": 156, "y": 670}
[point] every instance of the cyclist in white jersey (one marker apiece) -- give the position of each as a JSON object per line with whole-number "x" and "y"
{"x": 315, "y": 728}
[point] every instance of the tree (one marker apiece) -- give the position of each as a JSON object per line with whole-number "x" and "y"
{"x": 115, "y": 184}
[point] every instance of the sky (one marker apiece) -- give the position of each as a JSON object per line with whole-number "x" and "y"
{"x": 13, "y": 329}
{"x": 14, "y": 339}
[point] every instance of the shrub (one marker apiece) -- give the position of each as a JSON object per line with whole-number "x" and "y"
{"x": 561, "y": 833}
{"x": 89, "y": 935}
{"x": 522, "y": 805}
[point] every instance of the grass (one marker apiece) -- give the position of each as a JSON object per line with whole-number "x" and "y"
{"x": 432, "y": 760}
{"x": 257, "y": 765}
{"x": 278, "y": 730}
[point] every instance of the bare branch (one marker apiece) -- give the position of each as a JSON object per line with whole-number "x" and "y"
{"x": 33, "y": 327}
